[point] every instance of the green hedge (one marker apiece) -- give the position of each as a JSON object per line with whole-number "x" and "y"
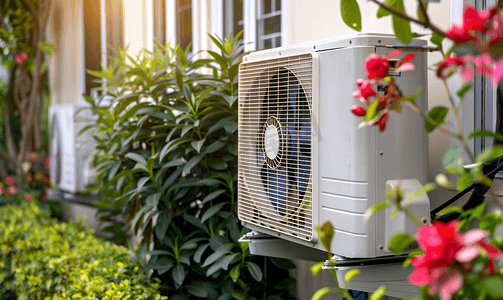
{"x": 41, "y": 258}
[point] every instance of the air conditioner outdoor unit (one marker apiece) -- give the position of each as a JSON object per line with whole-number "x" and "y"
{"x": 70, "y": 153}
{"x": 302, "y": 159}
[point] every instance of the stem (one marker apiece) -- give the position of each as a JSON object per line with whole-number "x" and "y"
{"x": 442, "y": 128}
{"x": 412, "y": 216}
{"x": 406, "y": 17}
{"x": 458, "y": 124}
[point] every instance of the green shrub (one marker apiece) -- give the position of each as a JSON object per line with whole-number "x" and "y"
{"x": 41, "y": 258}
{"x": 168, "y": 151}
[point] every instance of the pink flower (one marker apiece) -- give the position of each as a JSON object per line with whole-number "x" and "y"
{"x": 440, "y": 243}
{"x": 450, "y": 63}
{"x": 358, "y": 110}
{"x": 32, "y": 158}
{"x": 9, "y": 180}
{"x": 21, "y": 57}
{"x": 376, "y": 66}
{"x": 473, "y": 22}
{"x": 27, "y": 197}
{"x": 448, "y": 284}
{"x": 12, "y": 190}
{"x": 1, "y": 189}
{"x": 364, "y": 92}
{"x": 47, "y": 161}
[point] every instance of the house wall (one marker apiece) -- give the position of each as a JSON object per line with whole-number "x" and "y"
{"x": 307, "y": 21}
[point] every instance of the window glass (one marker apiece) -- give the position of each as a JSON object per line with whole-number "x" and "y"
{"x": 269, "y": 24}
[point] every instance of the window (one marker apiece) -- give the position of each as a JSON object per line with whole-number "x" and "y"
{"x": 233, "y": 18}
{"x": 103, "y": 32}
{"x": 264, "y": 22}
{"x": 269, "y": 24}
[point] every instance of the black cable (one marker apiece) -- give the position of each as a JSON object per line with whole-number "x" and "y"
{"x": 491, "y": 174}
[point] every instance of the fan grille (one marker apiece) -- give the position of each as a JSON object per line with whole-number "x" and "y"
{"x": 275, "y": 163}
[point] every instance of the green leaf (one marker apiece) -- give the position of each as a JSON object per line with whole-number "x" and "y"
{"x": 442, "y": 180}
{"x": 350, "y": 274}
{"x": 324, "y": 291}
{"x": 162, "y": 225}
{"x": 464, "y": 181}
{"x": 191, "y": 164}
{"x": 326, "y": 232}
{"x": 178, "y": 273}
{"x": 235, "y": 272}
{"x": 402, "y": 29}
{"x": 283, "y": 263}
{"x": 317, "y": 267}
{"x": 114, "y": 169}
{"x": 351, "y": 15}
{"x": 198, "y": 144}
{"x": 153, "y": 199}
{"x": 436, "y": 39}
{"x": 437, "y": 114}
{"x": 485, "y": 133}
{"x": 254, "y": 270}
{"x": 46, "y": 47}
{"x": 449, "y": 210}
{"x": 400, "y": 241}
{"x": 453, "y": 157}
{"x": 493, "y": 286}
{"x": 491, "y": 154}
{"x": 199, "y": 252}
{"x": 198, "y": 289}
{"x": 381, "y": 12}
{"x": 142, "y": 182}
{"x": 136, "y": 157}
{"x": 412, "y": 98}
{"x": 217, "y": 164}
{"x": 221, "y": 251}
{"x": 213, "y": 147}
{"x": 374, "y": 209}
{"x": 212, "y": 211}
{"x": 228, "y": 259}
{"x": 461, "y": 93}
{"x": 378, "y": 294}
{"x": 139, "y": 214}
{"x": 371, "y": 112}
{"x": 213, "y": 195}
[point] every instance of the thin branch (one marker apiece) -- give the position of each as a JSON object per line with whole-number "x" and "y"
{"x": 442, "y": 128}
{"x": 408, "y": 18}
{"x": 423, "y": 10}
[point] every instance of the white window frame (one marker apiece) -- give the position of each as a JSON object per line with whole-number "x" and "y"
{"x": 250, "y": 20}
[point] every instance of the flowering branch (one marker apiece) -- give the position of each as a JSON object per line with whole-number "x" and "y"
{"x": 408, "y": 18}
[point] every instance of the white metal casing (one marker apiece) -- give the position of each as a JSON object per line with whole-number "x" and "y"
{"x": 70, "y": 153}
{"x": 350, "y": 166}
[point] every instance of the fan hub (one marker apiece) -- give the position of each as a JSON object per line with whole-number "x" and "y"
{"x": 271, "y": 143}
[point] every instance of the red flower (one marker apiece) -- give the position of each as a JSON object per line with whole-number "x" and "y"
{"x": 376, "y": 66}
{"x": 9, "y": 180}
{"x": 47, "y": 180}
{"x": 381, "y": 122}
{"x": 21, "y": 57}
{"x": 32, "y": 158}
{"x": 43, "y": 198}
{"x": 29, "y": 177}
{"x": 27, "y": 197}
{"x": 47, "y": 161}
{"x": 12, "y": 190}
{"x": 364, "y": 92}
{"x": 358, "y": 110}
{"x": 1, "y": 189}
